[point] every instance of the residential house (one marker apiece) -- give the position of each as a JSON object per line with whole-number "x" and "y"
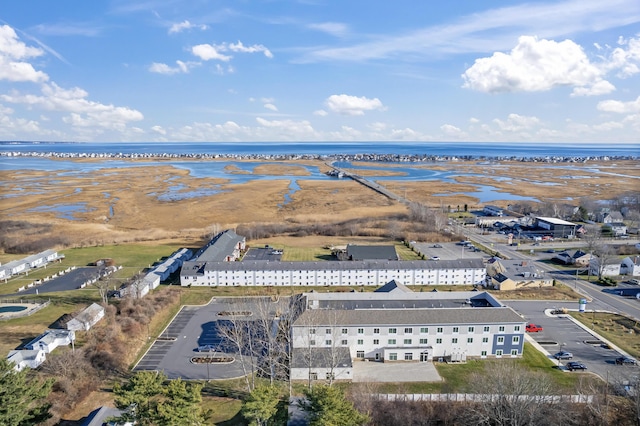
{"x": 609, "y": 269}
{"x": 51, "y": 339}
{"x": 26, "y": 358}
{"x": 87, "y": 318}
{"x": 506, "y": 275}
{"x": 630, "y": 266}
{"x": 617, "y": 228}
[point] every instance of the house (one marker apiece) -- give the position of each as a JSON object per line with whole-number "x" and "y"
{"x": 581, "y": 258}
{"x": 395, "y": 324}
{"x": 616, "y": 228}
{"x": 516, "y": 274}
{"x": 493, "y": 211}
{"x": 610, "y": 217}
{"x": 563, "y": 257}
{"x": 87, "y": 318}
{"x": 26, "y": 358}
{"x": 102, "y": 415}
{"x": 51, "y": 339}
{"x": 630, "y": 266}
{"x": 610, "y": 269}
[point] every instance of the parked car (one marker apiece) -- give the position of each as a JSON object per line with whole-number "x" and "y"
{"x": 206, "y": 348}
{"x": 625, "y": 360}
{"x": 563, "y": 355}
{"x": 533, "y": 328}
{"x": 575, "y": 365}
{"x": 435, "y": 258}
{"x": 437, "y": 246}
{"x": 634, "y": 281}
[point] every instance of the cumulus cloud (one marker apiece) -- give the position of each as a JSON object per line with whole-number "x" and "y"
{"x": 626, "y": 58}
{"x": 320, "y": 113}
{"x": 185, "y": 25}
{"x": 537, "y": 65}
{"x": 619, "y": 106}
{"x": 159, "y": 130}
{"x": 13, "y": 54}
{"x": 181, "y": 67}
{"x": 336, "y": 29}
{"x": 517, "y": 123}
{"x": 270, "y": 106}
{"x": 208, "y": 52}
{"x": 353, "y": 105}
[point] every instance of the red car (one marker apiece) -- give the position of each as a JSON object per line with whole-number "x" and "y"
{"x": 533, "y": 328}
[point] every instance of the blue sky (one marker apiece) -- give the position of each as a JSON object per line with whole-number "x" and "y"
{"x": 320, "y": 70}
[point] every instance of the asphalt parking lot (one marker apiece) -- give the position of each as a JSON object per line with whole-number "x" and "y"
{"x": 69, "y": 281}
{"x": 447, "y": 251}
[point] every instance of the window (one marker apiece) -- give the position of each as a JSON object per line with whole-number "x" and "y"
{"x": 312, "y": 331}
{"x": 469, "y": 339}
{"x": 393, "y": 356}
{"x": 345, "y": 331}
{"x": 313, "y": 376}
{"x": 424, "y": 329}
{"x": 516, "y": 328}
{"x": 408, "y": 356}
{"x": 486, "y": 329}
{"x": 330, "y": 376}
{"x": 439, "y": 330}
{"x": 483, "y": 353}
{"x": 455, "y": 329}
{"x": 454, "y": 340}
{"x": 501, "y": 328}
{"x": 514, "y": 352}
{"x": 424, "y": 341}
{"x": 501, "y": 340}
{"x": 361, "y": 331}
{"x": 485, "y": 340}
{"x": 360, "y": 341}
{"x": 328, "y": 331}
{"x": 515, "y": 340}
{"x": 327, "y": 342}
{"x": 360, "y": 354}
{"x": 312, "y": 343}
{"x": 499, "y": 352}
{"x": 438, "y": 341}
{"x": 472, "y": 329}
{"x": 391, "y": 341}
{"x": 407, "y": 341}
{"x": 376, "y": 341}
{"x": 376, "y": 331}
{"x": 392, "y": 331}
{"x": 344, "y": 342}
{"x": 408, "y": 330}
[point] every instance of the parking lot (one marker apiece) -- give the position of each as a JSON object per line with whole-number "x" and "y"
{"x": 447, "y": 251}
{"x": 70, "y": 281}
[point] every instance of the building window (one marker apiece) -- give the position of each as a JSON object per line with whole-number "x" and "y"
{"x": 312, "y": 343}
{"x": 344, "y": 342}
{"x": 514, "y": 352}
{"x": 393, "y": 356}
{"x": 361, "y": 331}
{"x": 515, "y": 340}
{"x": 486, "y": 329}
{"x": 499, "y": 352}
{"x": 313, "y": 376}
{"x": 456, "y": 329}
{"x": 501, "y": 340}
{"x": 345, "y": 331}
{"x": 438, "y": 341}
{"x": 501, "y": 328}
{"x": 454, "y": 340}
{"x": 439, "y": 330}
{"x": 472, "y": 329}
{"x": 424, "y": 341}
{"x": 330, "y": 376}
{"x": 516, "y": 328}
{"x": 424, "y": 329}
{"x": 408, "y": 356}
{"x": 328, "y": 331}
{"x": 327, "y": 342}
{"x": 376, "y": 341}
{"x": 376, "y": 331}
{"x": 360, "y": 341}
{"x": 392, "y": 331}
{"x": 360, "y": 354}
{"x": 483, "y": 353}
{"x": 407, "y": 341}
{"x": 469, "y": 339}
{"x": 408, "y": 330}
{"x": 391, "y": 341}
{"x": 485, "y": 340}
{"x": 312, "y": 331}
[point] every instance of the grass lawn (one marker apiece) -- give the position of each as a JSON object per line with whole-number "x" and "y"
{"x": 620, "y": 330}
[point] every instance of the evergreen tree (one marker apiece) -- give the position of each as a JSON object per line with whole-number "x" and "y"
{"x": 181, "y": 405}
{"x": 261, "y": 407}
{"x": 22, "y": 398}
{"x": 327, "y": 406}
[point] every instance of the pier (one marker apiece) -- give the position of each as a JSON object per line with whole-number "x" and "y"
{"x": 337, "y": 171}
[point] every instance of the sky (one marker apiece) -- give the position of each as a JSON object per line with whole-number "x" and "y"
{"x": 320, "y": 70}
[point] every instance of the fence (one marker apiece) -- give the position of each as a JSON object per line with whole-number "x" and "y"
{"x": 29, "y": 311}
{"x": 471, "y": 397}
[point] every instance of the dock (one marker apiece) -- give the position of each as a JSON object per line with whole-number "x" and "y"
{"x": 337, "y": 171}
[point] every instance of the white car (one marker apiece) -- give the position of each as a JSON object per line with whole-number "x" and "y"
{"x": 435, "y": 258}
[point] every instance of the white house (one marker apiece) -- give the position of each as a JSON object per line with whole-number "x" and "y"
{"x": 630, "y": 266}
{"x": 87, "y": 318}
{"x": 26, "y": 358}
{"x": 51, "y": 339}
{"x": 609, "y": 269}
{"x": 400, "y": 326}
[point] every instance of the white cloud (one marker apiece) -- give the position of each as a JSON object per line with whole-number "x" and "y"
{"x": 185, "y": 25}
{"x": 270, "y": 106}
{"x": 619, "y": 106}
{"x": 626, "y": 60}
{"x": 517, "y": 123}
{"x": 378, "y": 126}
{"x": 451, "y": 130}
{"x": 336, "y": 29}
{"x": 287, "y": 129}
{"x": 474, "y": 120}
{"x": 609, "y": 125}
{"x": 320, "y": 113}
{"x": 602, "y": 87}
{"x": 536, "y": 65}
{"x": 353, "y": 105}
{"x": 182, "y": 67}
{"x": 12, "y": 55}
{"x": 159, "y": 129}
{"x": 256, "y": 48}
{"x": 208, "y": 52}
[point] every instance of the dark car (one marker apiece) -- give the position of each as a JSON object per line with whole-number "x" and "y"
{"x": 575, "y": 365}
{"x": 625, "y": 360}
{"x": 563, "y": 355}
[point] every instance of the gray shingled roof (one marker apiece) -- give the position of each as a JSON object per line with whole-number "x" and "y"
{"x": 435, "y": 316}
{"x": 356, "y": 252}
{"x": 223, "y": 246}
